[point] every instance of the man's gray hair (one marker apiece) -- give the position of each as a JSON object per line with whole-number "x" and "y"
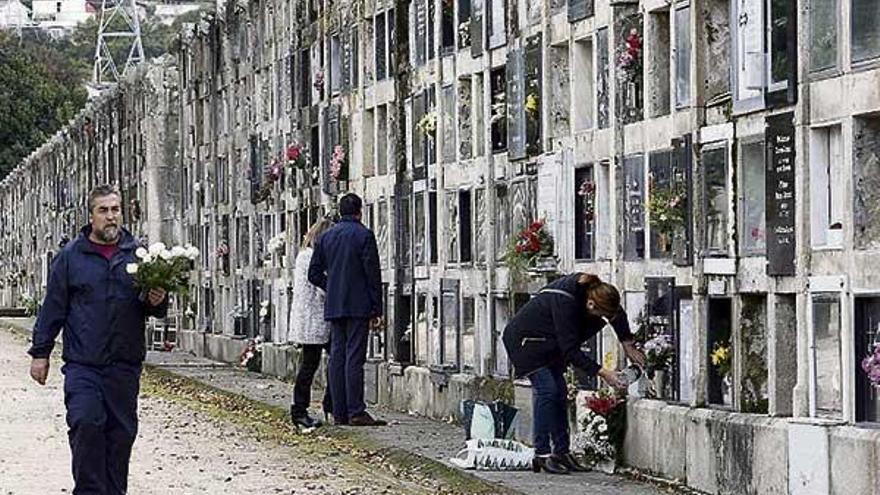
{"x": 100, "y": 192}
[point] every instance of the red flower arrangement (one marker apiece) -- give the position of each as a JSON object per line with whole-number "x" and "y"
{"x": 533, "y": 239}
{"x": 587, "y": 191}
{"x": 603, "y": 403}
{"x": 296, "y": 156}
{"x": 223, "y": 249}
{"x": 631, "y": 58}
{"x": 525, "y": 248}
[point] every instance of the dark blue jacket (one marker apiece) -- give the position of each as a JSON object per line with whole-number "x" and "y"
{"x": 96, "y": 303}
{"x": 552, "y": 326}
{"x": 345, "y": 263}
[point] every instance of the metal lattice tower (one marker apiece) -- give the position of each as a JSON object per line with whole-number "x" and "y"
{"x": 118, "y": 21}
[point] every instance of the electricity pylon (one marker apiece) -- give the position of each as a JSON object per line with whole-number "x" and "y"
{"x": 118, "y": 20}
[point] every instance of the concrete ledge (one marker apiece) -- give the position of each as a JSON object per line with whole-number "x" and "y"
{"x": 416, "y": 391}
{"x": 282, "y": 361}
{"x": 432, "y": 394}
{"x": 714, "y": 451}
{"x": 279, "y": 360}
{"x": 655, "y": 438}
{"x": 854, "y": 456}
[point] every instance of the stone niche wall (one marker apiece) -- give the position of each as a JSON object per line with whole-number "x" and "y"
{"x": 560, "y": 99}
{"x": 753, "y": 337}
{"x": 866, "y": 181}
{"x": 715, "y": 20}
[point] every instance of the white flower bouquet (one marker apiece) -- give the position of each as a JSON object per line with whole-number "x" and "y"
{"x": 593, "y": 439}
{"x": 163, "y": 268}
{"x": 276, "y": 243}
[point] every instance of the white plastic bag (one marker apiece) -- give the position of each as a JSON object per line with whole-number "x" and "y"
{"x": 494, "y": 455}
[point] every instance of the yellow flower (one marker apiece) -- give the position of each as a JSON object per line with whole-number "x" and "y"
{"x": 531, "y": 103}
{"x": 720, "y": 355}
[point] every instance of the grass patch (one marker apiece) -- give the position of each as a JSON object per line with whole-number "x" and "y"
{"x": 397, "y": 467}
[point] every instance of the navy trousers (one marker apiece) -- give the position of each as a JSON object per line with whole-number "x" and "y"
{"x": 549, "y": 414}
{"x": 348, "y": 353}
{"x": 102, "y": 420}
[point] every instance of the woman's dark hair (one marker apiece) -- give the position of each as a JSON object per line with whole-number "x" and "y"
{"x": 604, "y": 295}
{"x": 350, "y": 204}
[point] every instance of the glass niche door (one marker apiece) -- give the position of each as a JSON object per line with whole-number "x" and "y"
{"x": 866, "y": 330}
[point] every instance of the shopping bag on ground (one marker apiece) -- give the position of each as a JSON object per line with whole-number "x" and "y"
{"x": 486, "y": 421}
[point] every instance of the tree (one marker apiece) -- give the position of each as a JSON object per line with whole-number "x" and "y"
{"x": 42, "y": 79}
{"x": 40, "y": 91}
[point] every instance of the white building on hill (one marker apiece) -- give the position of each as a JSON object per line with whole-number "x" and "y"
{"x": 13, "y": 14}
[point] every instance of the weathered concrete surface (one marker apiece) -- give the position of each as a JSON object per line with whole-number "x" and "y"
{"x": 854, "y": 461}
{"x": 656, "y": 439}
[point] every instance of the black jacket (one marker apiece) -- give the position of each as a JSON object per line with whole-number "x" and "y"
{"x": 345, "y": 263}
{"x": 551, "y": 328}
{"x": 96, "y": 303}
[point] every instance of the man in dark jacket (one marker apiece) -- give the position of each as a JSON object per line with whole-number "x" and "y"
{"x": 345, "y": 264}
{"x": 91, "y": 296}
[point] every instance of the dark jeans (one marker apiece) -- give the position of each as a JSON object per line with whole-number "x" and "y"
{"x": 550, "y": 418}
{"x": 302, "y": 389}
{"x": 102, "y": 419}
{"x": 348, "y": 353}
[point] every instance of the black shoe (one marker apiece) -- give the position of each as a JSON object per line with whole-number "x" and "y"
{"x": 550, "y": 464}
{"x": 364, "y": 419}
{"x": 303, "y": 420}
{"x": 573, "y": 463}
{"x": 306, "y": 422}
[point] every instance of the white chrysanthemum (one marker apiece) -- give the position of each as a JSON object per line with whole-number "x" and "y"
{"x": 178, "y": 252}
{"x": 131, "y": 268}
{"x": 157, "y": 248}
{"x": 166, "y": 254}
{"x": 148, "y": 258}
{"x": 141, "y": 253}
{"x": 192, "y": 252}
{"x": 264, "y": 312}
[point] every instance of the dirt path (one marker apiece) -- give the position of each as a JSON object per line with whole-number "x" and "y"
{"x": 178, "y": 450}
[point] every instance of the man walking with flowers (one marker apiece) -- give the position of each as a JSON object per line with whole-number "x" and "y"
{"x": 92, "y": 296}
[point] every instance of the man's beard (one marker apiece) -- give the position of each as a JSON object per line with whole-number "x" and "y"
{"x": 108, "y": 234}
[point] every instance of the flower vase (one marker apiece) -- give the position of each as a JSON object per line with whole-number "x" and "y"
{"x": 543, "y": 264}
{"x": 631, "y": 95}
{"x": 726, "y": 391}
{"x": 665, "y": 239}
{"x": 659, "y": 380}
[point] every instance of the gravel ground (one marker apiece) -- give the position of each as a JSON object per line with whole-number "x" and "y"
{"x": 178, "y": 450}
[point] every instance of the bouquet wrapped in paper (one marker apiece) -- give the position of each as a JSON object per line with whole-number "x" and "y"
{"x": 162, "y": 268}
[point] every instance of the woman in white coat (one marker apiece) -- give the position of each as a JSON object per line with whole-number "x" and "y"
{"x": 308, "y": 329}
